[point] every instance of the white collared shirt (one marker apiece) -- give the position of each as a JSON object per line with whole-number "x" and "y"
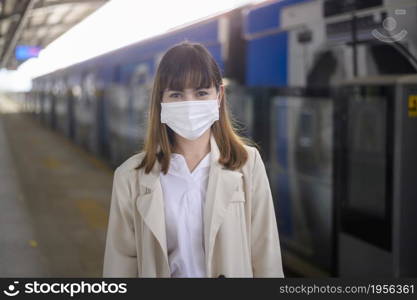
{"x": 184, "y": 195}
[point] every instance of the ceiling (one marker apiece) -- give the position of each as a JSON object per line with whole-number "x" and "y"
{"x": 37, "y": 23}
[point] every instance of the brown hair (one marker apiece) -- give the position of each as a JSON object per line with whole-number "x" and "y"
{"x": 191, "y": 64}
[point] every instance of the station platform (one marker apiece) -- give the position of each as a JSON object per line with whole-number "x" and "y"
{"x": 55, "y": 199}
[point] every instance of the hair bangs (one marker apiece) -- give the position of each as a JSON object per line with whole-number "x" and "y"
{"x": 187, "y": 69}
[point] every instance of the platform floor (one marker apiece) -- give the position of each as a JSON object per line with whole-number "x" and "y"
{"x": 54, "y": 200}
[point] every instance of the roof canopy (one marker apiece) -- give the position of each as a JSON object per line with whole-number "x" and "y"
{"x": 37, "y": 23}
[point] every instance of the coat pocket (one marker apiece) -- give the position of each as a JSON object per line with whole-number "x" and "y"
{"x": 238, "y": 195}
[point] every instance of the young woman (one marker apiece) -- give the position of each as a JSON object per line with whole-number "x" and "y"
{"x": 196, "y": 201}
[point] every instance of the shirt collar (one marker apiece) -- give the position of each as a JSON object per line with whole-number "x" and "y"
{"x": 178, "y": 165}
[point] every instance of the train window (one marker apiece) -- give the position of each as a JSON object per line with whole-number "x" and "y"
{"x": 140, "y": 75}
{"x": 158, "y": 58}
{"x": 117, "y": 74}
{"x": 76, "y": 91}
{"x": 390, "y": 61}
{"x": 301, "y": 175}
{"x": 89, "y": 87}
{"x": 336, "y": 7}
{"x": 140, "y": 79}
{"x": 367, "y": 155}
{"x": 324, "y": 68}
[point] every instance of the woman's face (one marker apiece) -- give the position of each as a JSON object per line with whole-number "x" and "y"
{"x": 191, "y": 94}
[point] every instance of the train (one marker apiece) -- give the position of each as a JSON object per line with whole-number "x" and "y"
{"x": 322, "y": 86}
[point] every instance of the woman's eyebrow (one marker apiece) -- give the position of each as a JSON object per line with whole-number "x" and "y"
{"x": 181, "y": 91}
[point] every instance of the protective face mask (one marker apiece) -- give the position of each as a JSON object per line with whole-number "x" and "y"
{"x": 190, "y": 119}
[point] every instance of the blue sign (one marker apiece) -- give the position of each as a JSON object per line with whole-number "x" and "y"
{"x": 23, "y": 52}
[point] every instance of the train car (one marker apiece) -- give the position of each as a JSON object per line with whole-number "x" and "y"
{"x": 297, "y": 52}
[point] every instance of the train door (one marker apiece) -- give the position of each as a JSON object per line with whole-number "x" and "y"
{"x": 301, "y": 179}
{"x": 75, "y": 99}
{"x": 375, "y": 177}
{"x": 61, "y": 111}
{"x": 139, "y": 89}
{"x": 48, "y": 103}
{"x": 116, "y": 107}
{"x": 84, "y": 112}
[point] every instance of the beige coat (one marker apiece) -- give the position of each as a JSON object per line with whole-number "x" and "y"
{"x": 240, "y": 232}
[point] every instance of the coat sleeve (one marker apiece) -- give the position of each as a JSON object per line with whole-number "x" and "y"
{"x": 120, "y": 251}
{"x": 265, "y": 244}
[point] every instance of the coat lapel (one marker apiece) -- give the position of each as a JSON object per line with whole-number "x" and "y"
{"x": 151, "y": 206}
{"x": 222, "y": 184}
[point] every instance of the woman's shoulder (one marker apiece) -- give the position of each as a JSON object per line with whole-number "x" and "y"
{"x": 251, "y": 149}
{"x": 253, "y": 156}
{"x": 128, "y": 167}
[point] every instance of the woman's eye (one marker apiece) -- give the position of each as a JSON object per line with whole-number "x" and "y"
{"x": 202, "y": 93}
{"x": 174, "y": 95}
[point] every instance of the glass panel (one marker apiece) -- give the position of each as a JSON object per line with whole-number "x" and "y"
{"x": 366, "y": 165}
{"x": 366, "y": 154}
{"x": 301, "y": 176}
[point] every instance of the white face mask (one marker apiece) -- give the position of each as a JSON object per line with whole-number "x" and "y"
{"x": 190, "y": 119}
